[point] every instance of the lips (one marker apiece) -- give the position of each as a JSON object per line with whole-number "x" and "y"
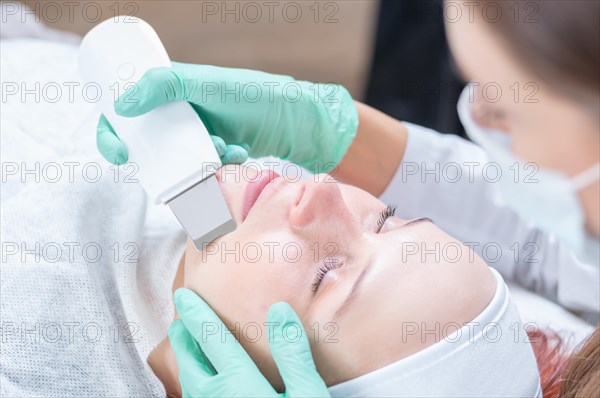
{"x": 255, "y": 188}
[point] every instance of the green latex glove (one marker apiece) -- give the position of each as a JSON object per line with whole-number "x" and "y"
{"x": 213, "y": 366}
{"x": 309, "y": 124}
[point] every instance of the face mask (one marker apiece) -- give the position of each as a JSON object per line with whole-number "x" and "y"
{"x": 544, "y": 197}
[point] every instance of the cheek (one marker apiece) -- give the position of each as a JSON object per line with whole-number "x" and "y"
{"x": 240, "y": 294}
{"x": 549, "y": 138}
{"x": 242, "y": 278}
{"x": 236, "y": 291}
{"x": 342, "y": 351}
{"x": 526, "y": 139}
{"x": 241, "y": 291}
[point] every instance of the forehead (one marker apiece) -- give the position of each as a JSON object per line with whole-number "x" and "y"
{"x": 404, "y": 295}
{"x": 480, "y": 53}
{"x": 415, "y": 273}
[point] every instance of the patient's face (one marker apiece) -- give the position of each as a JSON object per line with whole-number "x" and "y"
{"x": 367, "y": 287}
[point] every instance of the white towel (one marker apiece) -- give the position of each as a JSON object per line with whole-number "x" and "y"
{"x": 75, "y": 322}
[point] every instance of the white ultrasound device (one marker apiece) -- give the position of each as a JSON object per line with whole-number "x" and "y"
{"x": 172, "y": 148}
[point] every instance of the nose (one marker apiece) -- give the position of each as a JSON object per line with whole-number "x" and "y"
{"x": 320, "y": 201}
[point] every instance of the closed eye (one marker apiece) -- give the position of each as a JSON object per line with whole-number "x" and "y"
{"x": 388, "y": 212}
{"x": 328, "y": 265}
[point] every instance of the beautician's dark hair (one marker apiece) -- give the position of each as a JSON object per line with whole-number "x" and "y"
{"x": 558, "y": 41}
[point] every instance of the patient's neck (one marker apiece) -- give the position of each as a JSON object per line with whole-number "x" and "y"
{"x": 162, "y": 359}
{"x": 164, "y": 365}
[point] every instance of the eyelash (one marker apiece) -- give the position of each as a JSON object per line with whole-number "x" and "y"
{"x": 332, "y": 264}
{"x": 388, "y": 212}
{"x": 327, "y": 266}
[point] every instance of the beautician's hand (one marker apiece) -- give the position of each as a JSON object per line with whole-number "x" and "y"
{"x": 310, "y": 124}
{"x": 211, "y": 365}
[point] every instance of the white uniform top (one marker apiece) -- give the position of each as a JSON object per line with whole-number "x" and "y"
{"x": 451, "y": 181}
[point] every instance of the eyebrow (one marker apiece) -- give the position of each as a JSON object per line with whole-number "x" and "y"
{"x": 417, "y": 221}
{"x": 410, "y": 223}
{"x": 354, "y": 291}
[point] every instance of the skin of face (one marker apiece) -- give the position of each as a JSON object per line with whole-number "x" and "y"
{"x": 414, "y": 277}
{"x": 547, "y": 127}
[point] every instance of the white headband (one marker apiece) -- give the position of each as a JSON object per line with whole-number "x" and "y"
{"x": 488, "y": 357}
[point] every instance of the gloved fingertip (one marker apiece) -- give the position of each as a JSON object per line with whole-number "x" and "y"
{"x": 234, "y": 155}
{"x": 180, "y": 294}
{"x": 219, "y": 145}
{"x": 128, "y": 104}
{"x": 156, "y": 87}
{"x": 280, "y": 310}
{"x": 175, "y": 328}
{"x": 112, "y": 149}
{"x": 283, "y": 316}
{"x": 121, "y": 158}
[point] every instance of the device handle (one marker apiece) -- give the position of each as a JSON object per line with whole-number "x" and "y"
{"x": 170, "y": 144}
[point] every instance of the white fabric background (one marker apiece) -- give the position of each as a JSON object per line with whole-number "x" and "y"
{"x": 52, "y": 306}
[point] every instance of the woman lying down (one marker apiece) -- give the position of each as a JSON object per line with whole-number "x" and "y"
{"x": 390, "y": 306}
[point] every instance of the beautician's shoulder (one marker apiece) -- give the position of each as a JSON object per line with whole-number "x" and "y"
{"x": 425, "y": 144}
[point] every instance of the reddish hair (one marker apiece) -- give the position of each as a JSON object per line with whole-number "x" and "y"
{"x": 552, "y": 357}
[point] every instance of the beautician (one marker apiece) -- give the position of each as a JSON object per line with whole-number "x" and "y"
{"x": 530, "y": 186}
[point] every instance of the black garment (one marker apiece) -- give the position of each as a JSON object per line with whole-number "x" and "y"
{"x": 412, "y": 75}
